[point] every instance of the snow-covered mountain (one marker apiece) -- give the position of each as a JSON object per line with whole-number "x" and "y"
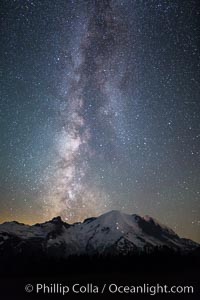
{"x": 111, "y": 233}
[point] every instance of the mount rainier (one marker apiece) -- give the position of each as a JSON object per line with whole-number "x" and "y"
{"x": 113, "y": 233}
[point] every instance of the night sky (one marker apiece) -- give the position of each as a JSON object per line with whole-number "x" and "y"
{"x": 100, "y": 110}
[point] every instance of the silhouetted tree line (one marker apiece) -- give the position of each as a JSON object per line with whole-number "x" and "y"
{"x": 33, "y": 262}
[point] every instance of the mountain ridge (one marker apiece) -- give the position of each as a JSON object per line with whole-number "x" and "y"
{"x": 112, "y": 233}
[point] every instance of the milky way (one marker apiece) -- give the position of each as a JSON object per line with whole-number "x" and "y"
{"x": 100, "y": 110}
{"x": 94, "y": 108}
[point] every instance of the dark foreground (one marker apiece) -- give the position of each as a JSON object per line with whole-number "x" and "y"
{"x": 100, "y": 278}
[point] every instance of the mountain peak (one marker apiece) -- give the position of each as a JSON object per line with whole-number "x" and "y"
{"x": 57, "y": 220}
{"x": 116, "y": 214}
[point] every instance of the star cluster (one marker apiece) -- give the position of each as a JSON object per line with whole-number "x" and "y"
{"x": 100, "y": 110}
